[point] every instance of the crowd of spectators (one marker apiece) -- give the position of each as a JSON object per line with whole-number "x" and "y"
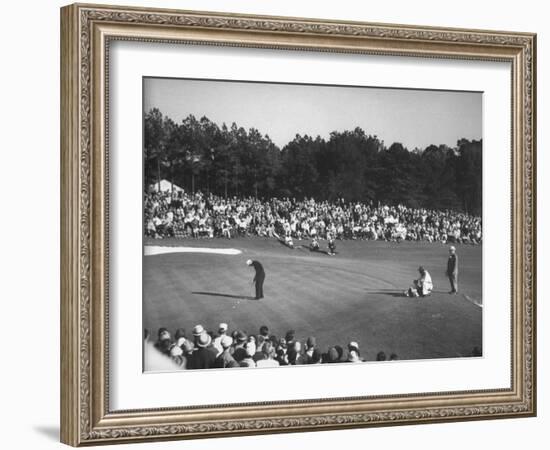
{"x": 207, "y": 350}
{"x": 181, "y": 214}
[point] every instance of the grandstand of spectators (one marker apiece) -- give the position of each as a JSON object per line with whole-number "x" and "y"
{"x": 182, "y": 214}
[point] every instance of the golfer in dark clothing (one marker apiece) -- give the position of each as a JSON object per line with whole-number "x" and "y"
{"x": 259, "y": 278}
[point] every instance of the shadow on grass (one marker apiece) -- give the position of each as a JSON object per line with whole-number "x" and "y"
{"x": 218, "y": 294}
{"x": 397, "y": 293}
{"x": 388, "y": 292}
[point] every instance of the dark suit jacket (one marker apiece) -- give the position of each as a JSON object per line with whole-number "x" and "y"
{"x": 259, "y": 270}
{"x": 202, "y": 358}
{"x": 452, "y": 265}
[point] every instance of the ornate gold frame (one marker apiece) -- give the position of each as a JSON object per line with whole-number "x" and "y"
{"x": 86, "y": 31}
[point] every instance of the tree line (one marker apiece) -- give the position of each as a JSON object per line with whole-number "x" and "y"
{"x": 197, "y": 154}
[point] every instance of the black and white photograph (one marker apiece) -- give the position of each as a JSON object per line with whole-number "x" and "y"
{"x": 294, "y": 224}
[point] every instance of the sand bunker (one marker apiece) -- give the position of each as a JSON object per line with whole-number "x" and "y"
{"x": 158, "y": 250}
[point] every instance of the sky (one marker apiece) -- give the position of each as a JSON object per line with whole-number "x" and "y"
{"x": 415, "y": 118}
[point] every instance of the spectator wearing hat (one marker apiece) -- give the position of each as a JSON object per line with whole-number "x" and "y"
{"x": 452, "y": 270}
{"x": 225, "y": 360}
{"x": 198, "y": 331}
{"x": 239, "y": 341}
{"x": 259, "y": 277}
{"x": 222, "y": 331}
{"x": 204, "y": 355}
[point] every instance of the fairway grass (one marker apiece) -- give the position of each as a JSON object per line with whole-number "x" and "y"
{"x": 356, "y": 295}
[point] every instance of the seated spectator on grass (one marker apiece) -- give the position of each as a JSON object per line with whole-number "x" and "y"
{"x": 422, "y": 286}
{"x": 381, "y": 356}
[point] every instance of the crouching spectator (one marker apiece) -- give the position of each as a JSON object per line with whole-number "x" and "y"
{"x": 422, "y": 286}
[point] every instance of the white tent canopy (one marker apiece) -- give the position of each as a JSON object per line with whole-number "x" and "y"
{"x": 165, "y": 186}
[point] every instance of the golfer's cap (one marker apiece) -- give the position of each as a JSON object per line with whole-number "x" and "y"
{"x": 452, "y": 248}
{"x": 249, "y": 262}
{"x": 222, "y": 327}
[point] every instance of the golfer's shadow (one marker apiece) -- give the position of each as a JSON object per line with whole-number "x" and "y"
{"x": 391, "y": 293}
{"x": 219, "y": 294}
